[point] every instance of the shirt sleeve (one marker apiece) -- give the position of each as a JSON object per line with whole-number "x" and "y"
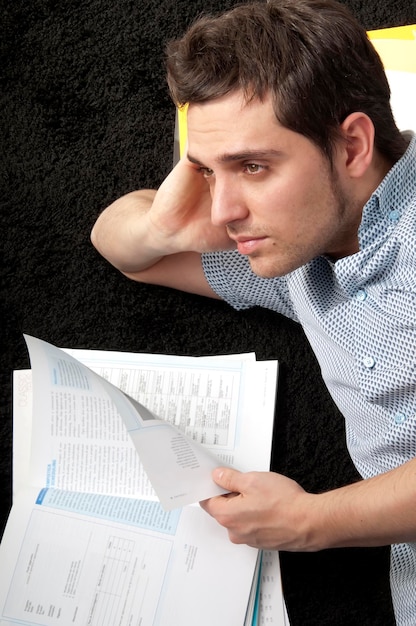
{"x": 230, "y": 276}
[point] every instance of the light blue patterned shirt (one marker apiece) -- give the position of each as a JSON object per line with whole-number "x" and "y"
{"x": 359, "y": 315}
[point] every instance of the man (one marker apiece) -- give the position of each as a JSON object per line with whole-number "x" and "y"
{"x": 298, "y": 193}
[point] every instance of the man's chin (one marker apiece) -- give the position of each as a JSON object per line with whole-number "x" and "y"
{"x": 264, "y": 270}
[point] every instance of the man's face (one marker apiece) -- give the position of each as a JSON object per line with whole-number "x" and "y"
{"x": 271, "y": 188}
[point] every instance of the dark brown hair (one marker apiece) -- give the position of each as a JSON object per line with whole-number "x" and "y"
{"x": 311, "y": 55}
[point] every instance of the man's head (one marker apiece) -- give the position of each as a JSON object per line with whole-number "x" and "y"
{"x": 275, "y": 193}
{"x": 312, "y": 56}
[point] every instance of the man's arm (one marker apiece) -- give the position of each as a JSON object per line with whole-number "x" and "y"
{"x": 158, "y": 236}
{"x": 270, "y": 511}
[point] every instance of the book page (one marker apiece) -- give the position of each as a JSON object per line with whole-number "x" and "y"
{"x": 211, "y": 401}
{"x": 61, "y": 566}
{"x": 82, "y": 420}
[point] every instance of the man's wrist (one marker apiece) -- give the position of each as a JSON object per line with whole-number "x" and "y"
{"x": 333, "y": 521}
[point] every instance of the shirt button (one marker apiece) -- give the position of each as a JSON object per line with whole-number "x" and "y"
{"x": 369, "y": 362}
{"x": 394, "y": 215}
{"x": 361, "y": 295}
{"x": 399, "y": 418}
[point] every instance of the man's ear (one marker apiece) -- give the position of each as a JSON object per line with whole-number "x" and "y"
{"x": 358, "y": 131}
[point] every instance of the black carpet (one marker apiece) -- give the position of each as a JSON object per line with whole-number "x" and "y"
{"x": 85, "y": 118}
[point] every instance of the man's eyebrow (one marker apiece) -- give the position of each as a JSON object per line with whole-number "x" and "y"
{"x": 193, "y": 159}
{"x": 246, "y": 155}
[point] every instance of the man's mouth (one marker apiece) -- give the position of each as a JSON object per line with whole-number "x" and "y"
{"x": 248, "y": 245}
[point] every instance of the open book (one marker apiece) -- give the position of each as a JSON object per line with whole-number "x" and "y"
{"x": 90, "y": 539}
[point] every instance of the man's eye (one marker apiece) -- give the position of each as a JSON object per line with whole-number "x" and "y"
{"x": 253, "y": 168}
{"x": 206, "y": 172}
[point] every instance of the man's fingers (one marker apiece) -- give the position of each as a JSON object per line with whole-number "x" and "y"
{"x": 227, "y": 478}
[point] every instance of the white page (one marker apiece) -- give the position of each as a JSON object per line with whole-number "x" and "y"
{"x": 62, "y": 567}
{"x": 71, "y": 448}
{"x": 208, "y": 387}
{"x": 149, "y": 377}
{"x": 23, "y": 397}
{"x": 403, "y": 98}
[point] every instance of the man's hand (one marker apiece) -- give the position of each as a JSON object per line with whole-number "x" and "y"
{"x": 268, "y": 510}
{"x": 264, "y": 510}
{"x": 180, "y": 214}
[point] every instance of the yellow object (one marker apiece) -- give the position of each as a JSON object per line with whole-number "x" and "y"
{"x": 182, "y": 128}
{"x": 396, "y": 47}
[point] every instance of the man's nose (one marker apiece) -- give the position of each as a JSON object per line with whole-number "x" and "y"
{"x": 227, "y": 203}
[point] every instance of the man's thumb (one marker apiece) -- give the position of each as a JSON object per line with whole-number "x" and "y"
{"x": 227, "y": 478}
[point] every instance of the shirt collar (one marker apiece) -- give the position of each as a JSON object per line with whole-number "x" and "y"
{"x": 381, "y": 214}
{"x": 392, "y": 196}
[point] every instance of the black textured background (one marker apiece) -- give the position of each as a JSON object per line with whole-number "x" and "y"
{"x": 85, "y": 118}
